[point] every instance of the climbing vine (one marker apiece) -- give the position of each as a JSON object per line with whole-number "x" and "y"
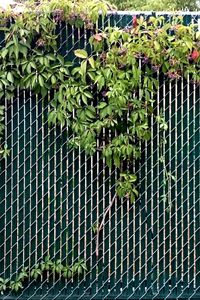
{"x": 36, "y": 272}
{"x": 107, "y": 97}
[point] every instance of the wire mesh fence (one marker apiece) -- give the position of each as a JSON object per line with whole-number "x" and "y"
{"x": 52, "y": 196}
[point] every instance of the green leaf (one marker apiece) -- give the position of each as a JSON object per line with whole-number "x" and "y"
{"x": 10, "y": 77}
{"x": 80, "y": 270}
{"x": 88, "y": 95}
{"x": 116, "y": 160}
{"x": 89, "y": 114}
{"x": 102, "y": 105}
{"x": 156, "y": 45}
{"x": 81, "y": 53}
{"x": 92, "y": 62}
{"x": 53, "y": 79}
{"x": 83, "y": 68}
{"x": 41, "y": 80}
{"x": 132, "y": 198}
{"x": 4, "y": 53}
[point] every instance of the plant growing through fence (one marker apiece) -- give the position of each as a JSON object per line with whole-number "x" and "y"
{"x": 48, "y": 265}
{"x": 107, "y": 96}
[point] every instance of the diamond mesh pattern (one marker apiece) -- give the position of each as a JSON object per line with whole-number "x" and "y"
{"x": 51, "y": 196}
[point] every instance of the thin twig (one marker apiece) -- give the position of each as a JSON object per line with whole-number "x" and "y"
{"x": 102, "y": 224}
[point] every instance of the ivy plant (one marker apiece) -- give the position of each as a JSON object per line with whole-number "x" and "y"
{"x": 109, "y": 96}
{"x": 107, "y": 99}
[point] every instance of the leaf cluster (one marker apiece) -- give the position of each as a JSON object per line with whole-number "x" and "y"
{"x": 107, "y": 99}
{"x": 53, "y": 267}
{"x": 74, "y": 12}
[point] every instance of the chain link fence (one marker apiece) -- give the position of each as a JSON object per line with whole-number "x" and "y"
{"x": 52, "y": 196}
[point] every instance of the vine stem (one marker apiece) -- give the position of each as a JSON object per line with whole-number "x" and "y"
{"x": 102, "y": 224}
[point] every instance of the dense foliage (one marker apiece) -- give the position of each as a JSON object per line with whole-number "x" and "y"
{"x": 96, "y": 97}
{"x": 123, "y": 76}
{"x": 106, "y": 98}
{"x": 156, "y": 5}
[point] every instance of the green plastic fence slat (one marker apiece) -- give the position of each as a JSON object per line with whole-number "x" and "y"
{"x": 112, "y": 236}
{"x": 89, "y": 232}
{"x": 64, "y": 250}
{"x": 125, "y": 259}
{"x": 76, "y": 43}
{"x": 187, "y": 19}
{"x": 45, "y": 198}
{"x": 64, "y": 219}
{"x": 173, "y": 201}
{"x": 63, "y": 39}
{"x": 147, "y": 192}
{"x": 33, "y": 180}
{"x": 12, "y": 217}
{"x": 39, "y": 178}
{"x": 70, "y": 210}
{"x": 144, "y": 232}
{"x": 39, "y": 224}
{"x": 106, "y": 232}
{"x": 165, "y": 211}
{"x": 82, "y": 212}
{"x": 153, "y": 182}
{"x": 2, "y": 215}
{"x": 101, "y": 208}
{"x": 58, "y": 211}
{"x": 119, "y": 20}
{"x": 131, "y": 269}
{"x": 58, "y": 207}
{"x": 27, "y": 176}
{"x": 159, "y": 172}
{"x": 171, "y": 185}
{"x": 111, "y": 21}
{"x": 118, "y": 229}
{"x": 76, "y": 183}
{"x": 197, "y": 187}
{"x": 76, "y": 216}
{"x": 94, "y": 265}
{"x": 137, "y": 243}
{"x": 8, "y": 188}
{"x": 21, "y": 185}
{"x": 100, "y": 195}
{"x": 82, "y": 188}
{"x": 178, "y": 137}
{"x": 129, "y": 21}
{"x": 51, "y": 190}
{"x": 119, "y": 243}
{"x": 191, "y": 175}
{"x": 184, "y": 186}
{"x": 69, "y": 43}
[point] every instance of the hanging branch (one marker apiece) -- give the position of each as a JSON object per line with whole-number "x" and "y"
{"x": 102, "y": 224}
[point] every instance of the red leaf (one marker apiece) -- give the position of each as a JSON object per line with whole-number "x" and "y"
{"x": 195, "y": 54}
{"x": 135, "y": 23}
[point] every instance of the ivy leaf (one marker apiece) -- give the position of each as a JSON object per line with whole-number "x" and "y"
{"x": 83, "y": 68}
{"x": 91, "y": 62}
{"x": 41, "y": 80}
{"x": 80, "y": 270}
{"x": 102, "y": 105}
{"x": 4, "y": 53}
{"x": 116, "y": 160}
{"x": 10, "y": 77}
{"x": 81, "y": 53}
{"x": 157, "y": 46}
{"x": 88, "y": 95}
